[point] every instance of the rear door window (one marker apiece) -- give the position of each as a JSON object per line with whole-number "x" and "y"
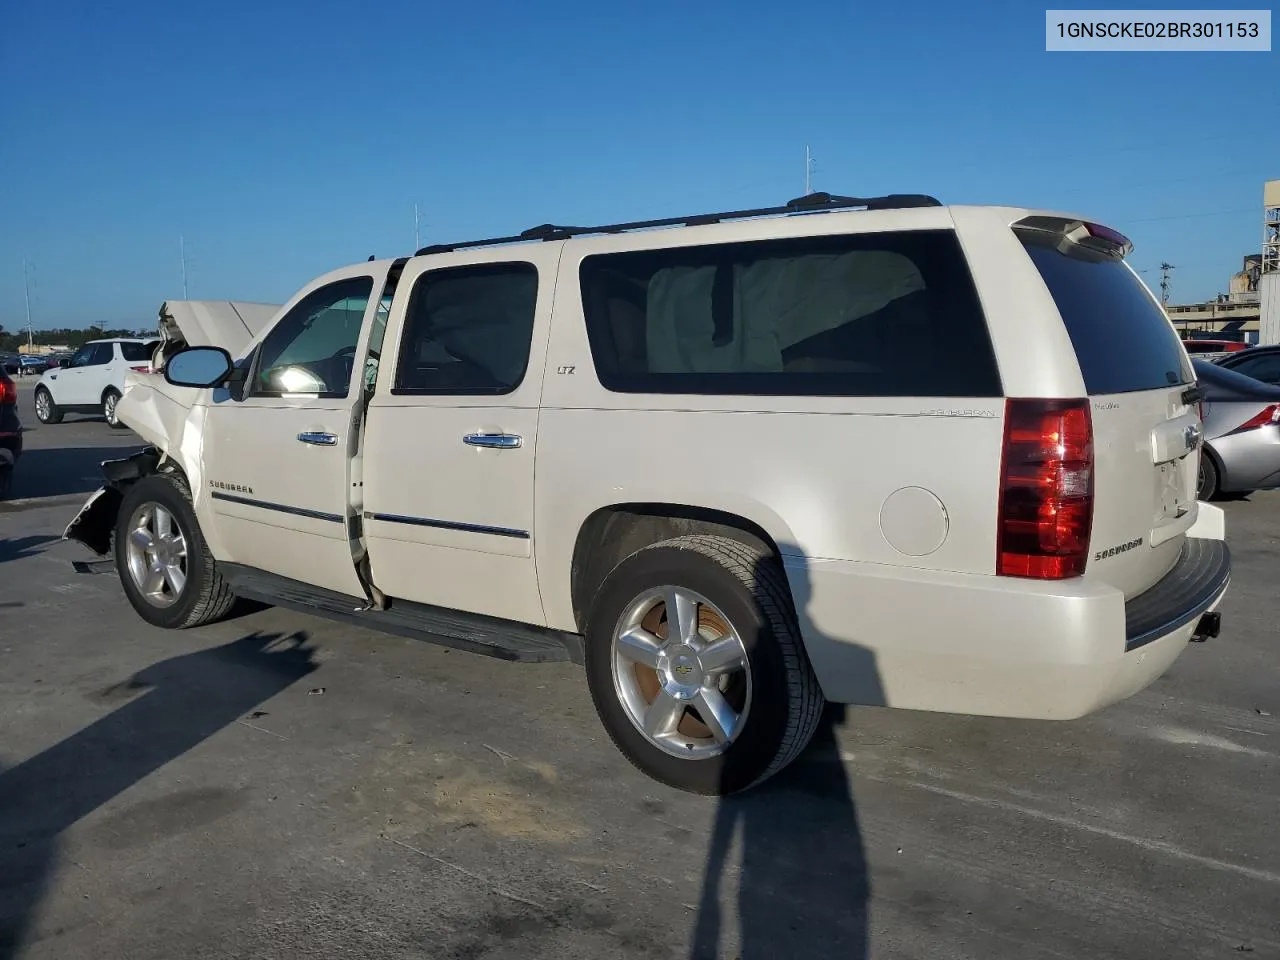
{"x": 137, "y": 352}
{"x": 1123, "y": 341}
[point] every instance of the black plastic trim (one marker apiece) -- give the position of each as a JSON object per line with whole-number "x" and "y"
{"x": 448, "y": 525}
{"x": 278, "y": 507}
{"x": 812, "y": 202}
{"x": 474, "y": 633}
{"x": 1194, "y": 584}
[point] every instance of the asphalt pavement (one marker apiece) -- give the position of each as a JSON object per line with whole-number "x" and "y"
{"x": 276, "y": 786}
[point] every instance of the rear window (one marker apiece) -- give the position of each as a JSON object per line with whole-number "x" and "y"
{"x": 136, "y": 352}
{"x": 1122, "y": 339}
{"x": 885, "y": 314}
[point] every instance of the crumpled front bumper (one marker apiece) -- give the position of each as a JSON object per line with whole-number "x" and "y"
{"x": 96, "y": 521}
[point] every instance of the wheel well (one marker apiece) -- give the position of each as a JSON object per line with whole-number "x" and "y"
{"x": 110, "y": 389}
{"x": 613, "y": 533}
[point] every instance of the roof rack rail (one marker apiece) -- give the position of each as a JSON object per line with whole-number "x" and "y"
{"x": 809, "y": 203}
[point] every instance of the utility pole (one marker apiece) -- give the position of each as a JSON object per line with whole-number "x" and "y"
{"x": 808, "y": 171}
{"x": 182, "y": 253}
{"x": 26, "y": 293}
{"x": 1164, "y": 283}
{"x": 417, "y": 235}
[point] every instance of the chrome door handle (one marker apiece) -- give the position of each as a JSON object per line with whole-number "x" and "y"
{"x": 319, "y": 439}
{"x": 501, "y": 441}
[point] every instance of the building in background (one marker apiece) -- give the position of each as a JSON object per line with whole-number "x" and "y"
{"x": 1269, "y": 268}
{"x": 1250, "y": 309}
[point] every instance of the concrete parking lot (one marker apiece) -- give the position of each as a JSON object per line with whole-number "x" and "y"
{"x": 276, "y": 786}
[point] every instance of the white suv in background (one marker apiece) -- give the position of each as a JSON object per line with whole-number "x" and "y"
{"x": 92, "y": 380}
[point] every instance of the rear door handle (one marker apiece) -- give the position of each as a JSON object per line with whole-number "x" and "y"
{"x": 500, "y": 441}
{"x": 319, "y": 439}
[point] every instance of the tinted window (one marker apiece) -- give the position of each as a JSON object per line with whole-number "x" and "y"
{"x": 82, "y": 355}
{"x": 138, "y": 352}
{"x": 1263, "y": 366}
{"x": 468, "y": 330}
{"x": 1122, "y": 339}
{"x": 102, "y": 353}
{"x": 888, "y": 314}
{"x": 312, "y": 349}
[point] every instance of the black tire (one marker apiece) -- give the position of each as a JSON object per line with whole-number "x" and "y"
{"x": 205, "y": 596}
{"x": 109, "y": 400}
{"x": 750, "y": 589}
{"x": 6, "y": 480}
{"x": 54, "y": 414}
{"x": 1207, "y": 486}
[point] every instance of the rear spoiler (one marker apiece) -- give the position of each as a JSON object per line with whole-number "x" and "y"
{"x": 1071, "y": 236}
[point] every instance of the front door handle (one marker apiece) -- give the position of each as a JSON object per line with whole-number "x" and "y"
{"x": 319, "y": 439}
{"x": 500, "y": 441}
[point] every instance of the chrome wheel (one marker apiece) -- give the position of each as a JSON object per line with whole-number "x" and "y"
{"x": 156, "y": 551}
{"x": 680, "y": 671}
{"x": 109, "y": 408}
{"x": 43, "y": 408}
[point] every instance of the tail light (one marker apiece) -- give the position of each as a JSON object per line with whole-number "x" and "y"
{"x": 141, "y": 368}
{"x": 1046, "y": 489}
{"x": 1267, "y": 415}
{"x": 8, "y": 391}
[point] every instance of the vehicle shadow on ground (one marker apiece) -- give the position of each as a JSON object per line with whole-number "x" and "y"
{"x": 19, "y": 548}
{"x": 61, "y": 471}
{"x": 803, "y": 887}
{"x": 167, "y": 709}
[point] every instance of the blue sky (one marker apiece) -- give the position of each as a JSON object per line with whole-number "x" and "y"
{"x": 283, "y": 139}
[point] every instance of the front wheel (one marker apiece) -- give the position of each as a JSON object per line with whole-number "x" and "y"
{"x": 46, "y": 410}
{"x": 696, "y": 666}
{"x": 164, "y": 563}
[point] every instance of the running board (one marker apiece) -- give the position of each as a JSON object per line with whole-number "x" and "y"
{"x": 471, "y": 632}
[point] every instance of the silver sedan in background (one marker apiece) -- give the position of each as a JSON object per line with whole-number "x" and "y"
{"x": 1241, "y": 432}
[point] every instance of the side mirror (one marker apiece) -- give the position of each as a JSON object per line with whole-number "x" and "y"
{"x": 198, "y": 367}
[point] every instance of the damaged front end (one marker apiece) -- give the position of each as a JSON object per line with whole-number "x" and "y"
{"x": 94, "y": 525}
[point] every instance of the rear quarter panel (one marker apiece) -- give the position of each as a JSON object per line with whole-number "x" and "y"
{"x": 814, "y": 473}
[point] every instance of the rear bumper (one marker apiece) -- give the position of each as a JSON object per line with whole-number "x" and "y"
{"x": 997, "y": 646}
{"x": 1190, "y": 589}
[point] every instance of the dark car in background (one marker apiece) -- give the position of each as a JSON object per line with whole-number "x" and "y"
{"x": 10, "y": 431}
{"x": 29, "y": 363}
{"x": 1261, "y": 363}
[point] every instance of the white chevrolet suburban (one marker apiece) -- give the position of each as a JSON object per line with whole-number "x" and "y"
{"x": 877, "y": 451}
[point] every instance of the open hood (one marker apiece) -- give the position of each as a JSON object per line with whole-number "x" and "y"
{"x": 214, "y": 323}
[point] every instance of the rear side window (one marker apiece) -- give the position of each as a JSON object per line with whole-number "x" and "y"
{"x": 1123, "y": 341}
{"x": 468, "y": 330}
{"x": 136, "y": 352}
{"x": 886, "y": 314}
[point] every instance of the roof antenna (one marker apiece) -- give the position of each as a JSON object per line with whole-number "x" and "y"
{"x": 370, "y": 260}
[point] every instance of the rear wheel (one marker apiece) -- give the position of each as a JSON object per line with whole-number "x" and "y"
{"x": 1207, "y": 486}
{"x": 696, "y": 667}
{"x": 109, "y": 401}
{"x": 164, "y": 564}
{"x": 46, "y": 410}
